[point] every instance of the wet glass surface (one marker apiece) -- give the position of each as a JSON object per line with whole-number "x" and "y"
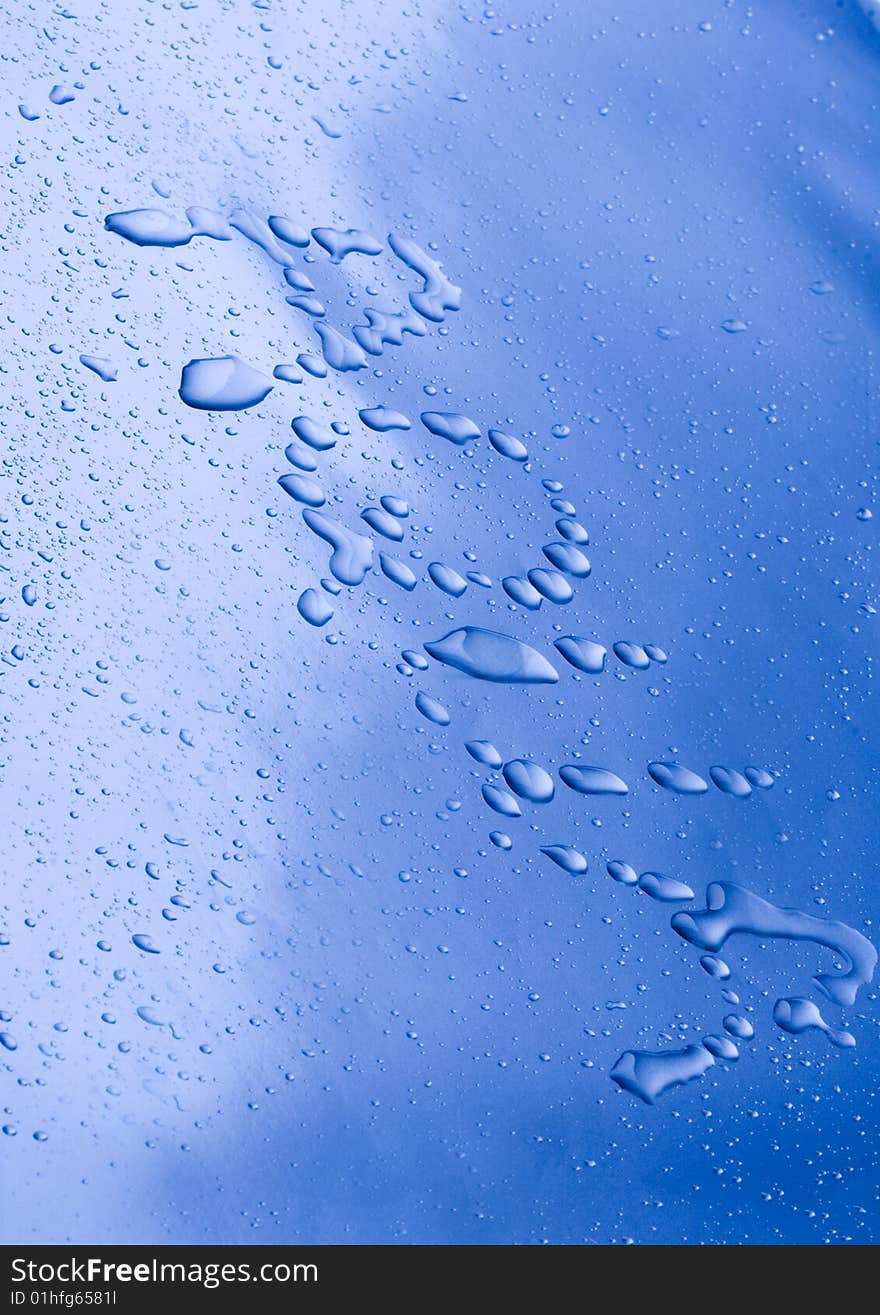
{"x": 438, "y": 622}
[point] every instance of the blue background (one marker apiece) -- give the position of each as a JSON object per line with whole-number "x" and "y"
{"x": 339, "y": 1054}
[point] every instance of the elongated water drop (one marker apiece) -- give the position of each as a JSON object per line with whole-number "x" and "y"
{"x": 508, "y": 446}
{"x": 678, "y": 779}
{"x": 432, "y": 709}
{"x": 490, "y": 655}
{"x": 383, "y": 418}
{"x": 584, "y": 654}
{"x": 665, "y": 889}
{"x": 569, "y": 859}
{"x": 458, "y": 429}
{"x": 484, "y": 752}
{"x": 647, "y": 1074}
{"x": 314, "y": 607}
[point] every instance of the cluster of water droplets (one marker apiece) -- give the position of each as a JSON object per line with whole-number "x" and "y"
{"x": 475, "y": 652}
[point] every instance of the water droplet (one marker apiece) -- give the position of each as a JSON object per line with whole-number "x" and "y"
{"x": 738, "y": 1027}
{"x": 569, "y": 558}
{"x": 529, "y": 781}
{"x": 384, "y": 418}
{"x": 100, "y": 366}
{"x": 665, "y": 889}
{"x": 340, "y": 243}
{"x": 433, "y": 710}
{"x": 570, "y": 860}
{"x": 678, "y": 779}
{"x": 572, "y": 530}
{"x": 622, "y": 872}
{"x": 647, "y": 1074}
{"x": 552, "y": 585}
{"x": 303, "y": 489}
{"x": 584, "y": 654}
{"x": 314, "y": 365}
{"x": 502, "y": 801}
{"x": 288, "y": 374}
{"x": 445, "y": 578}
{"x": 796, "y": 1014}
{"x": 150, "y": 228}
{"x": 382, "y": 523}
{"x": 339, "y": 352}
{"x": 484, "y": 752}
{"x": 592, "y": 780}
{"x": 632, "y": 655}
{"x": 656, "y": 654}
{"x": 458, "y": 429}
{"x": 397, "y": 571}
{"x": 314, "y": 607}
{"x": 522, "y": 592}
{"x": 490, "y": 655}
{"x": 730, "y": 782}
{"x": 731, "y": 908}
{"x": 286, "y": 231}
{"x": 352, "y": 553}
{"x": 318, "y": 436}
{"x": 222, "y": 383}
{"x": 721, "y": 1047}
{"x": 508, "y": 446}
{"x": 438, "y": 293}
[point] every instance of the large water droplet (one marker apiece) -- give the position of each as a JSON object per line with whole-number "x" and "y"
{"x": 569, "y": 859}
{"x": 730, "y": 782}
{"x": 665, "y": 889}
{"x": 647, "y": 1074}
{"x": 458, "y": 429}
{"x": 632, "y": 655}
{"x": 314, "y": 607}
{"x": 222, "y": 383}
{"x": 352, "y": 553}
{"x": 484, "y": 752}
{"x": 502, "y": 801}
{"x": 490, "y": 655}
{"x": 447, "y": 579}
{"x": 383, "y": 418}
{"x": 592, "y": 780}
{"x": 584, "y": 654}
{"x": 432, "y": 709}
{"x": 508, "y": 446}
{"x": 678, "y": 779}
{"x": 529, "y": 780}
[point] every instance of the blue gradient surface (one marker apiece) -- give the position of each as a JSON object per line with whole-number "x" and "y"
{"x": 265, "y": 976}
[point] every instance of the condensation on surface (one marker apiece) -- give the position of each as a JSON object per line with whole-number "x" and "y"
{"x": 436, "y": 619}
